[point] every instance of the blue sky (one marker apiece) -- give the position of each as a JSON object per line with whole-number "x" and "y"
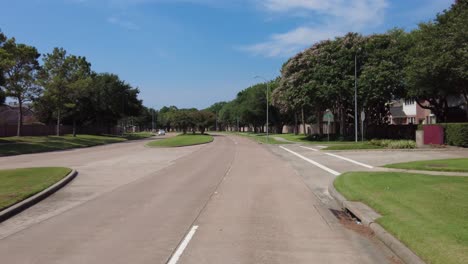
{"x": 192, "y": 53}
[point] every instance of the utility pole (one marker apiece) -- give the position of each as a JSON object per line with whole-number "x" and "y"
{"x": 152, "y": 120}
{"x": 355, "y": 100}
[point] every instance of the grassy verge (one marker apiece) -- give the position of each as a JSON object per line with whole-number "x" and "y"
{"x": 261, "y": 138}
{"x": 23, "y": 145}
{"x": 305, "y": 140}
{"x": 427, "y": 213}
{"x": 19, "y": 184}
{"x": 181, "y": 141}
{"x": 353, "y": 145}
{"x": 457, "y": 165}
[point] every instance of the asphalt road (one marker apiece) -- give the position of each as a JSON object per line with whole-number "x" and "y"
{"x": 231, "y": 201}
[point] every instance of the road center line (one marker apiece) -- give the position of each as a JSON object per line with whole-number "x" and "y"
{"x": 309, "y": 148}
{"x": 311, "y": 161}
{"x": 182, "y": 246}
{"x": 350, "y": 160}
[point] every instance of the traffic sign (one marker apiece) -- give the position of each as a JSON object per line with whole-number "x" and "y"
{"x": 363, "y": 116}
{"x": 328, "y": 116}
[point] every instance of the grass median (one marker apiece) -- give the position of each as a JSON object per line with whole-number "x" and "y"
{"x": 427, "y": 213}
{"x": 19, "y": 184}
{"x": 262, "y": 138}
{"x": 182, "y": 141}
{"x": 23, "y": 145}
{"x": 452, "y": 165}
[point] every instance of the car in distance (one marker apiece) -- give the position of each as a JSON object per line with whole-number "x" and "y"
{"x": 161, "y": 132}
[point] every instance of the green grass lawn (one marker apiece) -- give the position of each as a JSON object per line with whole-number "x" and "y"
{"x": 23, "y": 145}
{"x": 19, "y": 184}
{"x": 261, "y": 138}
{"x": 353, "y": 145}
{"x": 303, "y": 139}
{"x": 460, "y": 165}
{"x": 181, "y": 141}
{"x": 427, "y": 213}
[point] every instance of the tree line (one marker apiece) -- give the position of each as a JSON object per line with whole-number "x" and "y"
{"x": 428, "y": 65}
{"x": 64, "y": 89}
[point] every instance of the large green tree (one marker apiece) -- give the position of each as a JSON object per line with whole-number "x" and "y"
{"x": 19, "y": 65}
{"x": 382, "y": 74}
{"x": 111, "y": 100}
{"x": 438, "y": 61}
{"x": 62, "y": 77}
{"x": 3, "y": 38}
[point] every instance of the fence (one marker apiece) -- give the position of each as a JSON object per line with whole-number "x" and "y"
{"x": 48, "y": 130}
{"x": 391, "y": 132}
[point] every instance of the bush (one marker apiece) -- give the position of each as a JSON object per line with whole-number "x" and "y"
{"x": 394, "y": 144}
{"x": 402, "y": 144}
{"x": 456, "y": 134}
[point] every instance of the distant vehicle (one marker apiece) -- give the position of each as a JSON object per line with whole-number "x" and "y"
{"x": 161, "y": 132}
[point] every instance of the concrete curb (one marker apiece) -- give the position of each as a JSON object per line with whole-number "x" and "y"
{"x": 19, "y": 207}
{"x": 368, "y": 219}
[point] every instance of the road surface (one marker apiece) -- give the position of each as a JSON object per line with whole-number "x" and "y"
{"x": 231, "y": 201}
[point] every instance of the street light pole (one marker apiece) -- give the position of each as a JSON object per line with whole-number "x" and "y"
{"x": 267, "y": 107}
{"x": 152, "y": 121}
{"x": 355, "y": 100}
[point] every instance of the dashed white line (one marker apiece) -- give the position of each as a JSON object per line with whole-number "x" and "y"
{"x": 182, "y": 246}
{"x": 313, "y": 162}
{"x": 309, "y": 148}
{"x": 350, "y": 160}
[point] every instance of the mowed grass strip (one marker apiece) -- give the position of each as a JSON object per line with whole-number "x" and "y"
{"x": 353, "y": 145}
{"x": 23, "y": 145}
{"x": 19, "y": 184}
{"x": 262, "y": 138}
{"x": 427, "y": 213}
{"x": 454, "y": 165}
{"x": 182, "y": 141}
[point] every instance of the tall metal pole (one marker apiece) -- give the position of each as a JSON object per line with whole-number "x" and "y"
{"x": 152, "y": 121}
{"x": 355, "y": 100}
{"x": 267, "y": 110}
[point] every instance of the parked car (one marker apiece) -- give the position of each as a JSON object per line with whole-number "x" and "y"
{"x": 161, "y": 132}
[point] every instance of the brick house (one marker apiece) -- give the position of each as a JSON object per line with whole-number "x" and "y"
{"x": 408, "y": 111}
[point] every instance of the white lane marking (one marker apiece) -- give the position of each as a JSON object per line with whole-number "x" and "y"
{"x": 309, "y": 148}
{"x": 182, "y": 246}
{"x": 350, "y": 160}
{"x": 313, "y": 162}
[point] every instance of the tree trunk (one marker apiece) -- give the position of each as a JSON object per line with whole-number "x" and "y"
{"x": 303, "y": 122}
{"x": 74, "y": 127}
{"x": 342, "y": 121}
{"x": 58, "y": 122}
{"x": 319, "y": 123}
{"x": 20, "y": 117}
{"x": 296, "y": 130}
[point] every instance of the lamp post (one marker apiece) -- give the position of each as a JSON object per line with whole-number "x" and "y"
{"x": 152, "y": 121}
{"x": 355, "y": 99}
{"x": 267, "y": 107}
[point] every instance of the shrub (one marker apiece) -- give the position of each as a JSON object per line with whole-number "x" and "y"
{"x": 402, "y": 144}
{"x": 394, "y": 144}
{"x": 456, "y": 134}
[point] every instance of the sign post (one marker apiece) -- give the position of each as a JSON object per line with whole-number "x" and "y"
{"x": 328, "y": 116}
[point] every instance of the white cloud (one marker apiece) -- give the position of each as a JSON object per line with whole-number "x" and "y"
{"x": 336, "y": 18}
{"x": 123, "y": 23}
{"x": 285, "y": 44}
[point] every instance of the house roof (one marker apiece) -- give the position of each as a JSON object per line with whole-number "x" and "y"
{"x": 397, "y": 111}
